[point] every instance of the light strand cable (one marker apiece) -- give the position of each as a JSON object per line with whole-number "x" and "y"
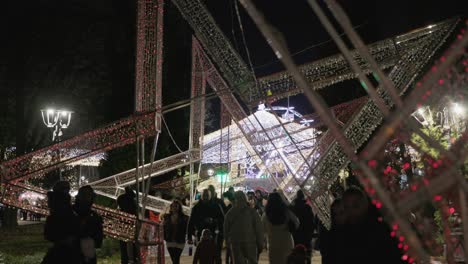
{"x": 170, "y": 134}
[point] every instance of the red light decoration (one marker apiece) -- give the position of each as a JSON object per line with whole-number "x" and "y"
{"x": 372, "y": 163}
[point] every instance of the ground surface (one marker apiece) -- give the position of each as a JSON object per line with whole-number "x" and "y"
{"x": 26, "y": 245}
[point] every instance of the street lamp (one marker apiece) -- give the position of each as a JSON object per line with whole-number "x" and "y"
{"x": 58, "y": 120}
{"x": 210, "y": 172}
{"x": 458, "y": 109}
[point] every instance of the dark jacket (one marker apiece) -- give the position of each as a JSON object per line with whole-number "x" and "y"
{"x": 62, "y": 229}
{"x": 368, "y": 242}
{"x": 175, "y": 233}
{"x": 205, "y": 215}
{"x": 332, "y": 245}
{"x": 303, "y": 234}
{"x": 90, "y": 226}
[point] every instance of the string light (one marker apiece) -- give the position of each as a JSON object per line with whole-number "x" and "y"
{"x": 335, "y": 69}
{"x": 114, "y": 135}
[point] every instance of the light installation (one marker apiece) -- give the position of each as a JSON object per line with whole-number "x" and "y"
{"x": 405, "y": 55}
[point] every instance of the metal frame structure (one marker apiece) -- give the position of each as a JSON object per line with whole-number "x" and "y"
{"x": 375, "y": 123}
{"x": 347, "y": 145}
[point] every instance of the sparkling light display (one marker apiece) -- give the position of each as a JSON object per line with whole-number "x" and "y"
{"x": 233, "y": 69}
{"x": 334, "y": 69}
{"x": 369, "y": 117}
{"x": 117, "y": 134}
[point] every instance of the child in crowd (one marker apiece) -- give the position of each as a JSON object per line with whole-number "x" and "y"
{"x": 206, "y": 249}
{"x": 298, "y": 255}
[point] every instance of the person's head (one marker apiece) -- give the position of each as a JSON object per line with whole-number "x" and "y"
{"x": 300, "y": 195}
{"x": 258, "y": 194}
{"x": 176, "y": 207}
{"x": 129, "y": 191}
{"x": 337, "y": 213}
{"x": 276, "y": 209}
{"x": 228, "y": 197}
{"x": 58, "y": 201}
{"x": 298, "y": 255}
{"x": 85, "y": 196}
{"x": 231, "y": 190}
{"x": 212, "y": 190}
{"x": 206, "y": 234}
{"x": 205, "y": 196}
{"x": 240, "y": 200}
{"x": 356, "y": 205}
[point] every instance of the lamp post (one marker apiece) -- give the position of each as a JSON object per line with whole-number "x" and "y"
{"x": 58, "y": 120}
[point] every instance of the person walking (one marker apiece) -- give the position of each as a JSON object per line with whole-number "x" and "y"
{"x": 366, "y": 240}
{"x": 243, "y": 231}
{"x": 175, "y": 230}
{"x": 218, "y": 206}
{"x": 304, "y": 233}
{"x": 278, "y": 222}
{"x": 91, "y": 229}
{"x": 62, "y": 229}
{"x": 331, "y": 242}
{"x": 127, "y": 204}
{"x": 228, "y": 202}
{"x": 204, "y": 215}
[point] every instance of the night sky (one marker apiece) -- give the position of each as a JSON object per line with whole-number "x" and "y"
{"x": 79, "y": 54}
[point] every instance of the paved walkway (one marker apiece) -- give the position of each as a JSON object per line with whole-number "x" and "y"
{"x": 27, "y": 222}
{"x": 316, "y": 259}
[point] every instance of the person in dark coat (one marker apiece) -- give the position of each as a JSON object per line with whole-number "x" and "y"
{"x": 303, "y": 234}
{"x": 218, "y": 204}
{"x": 205, "y": 215}
{"x": 127, "y": 204}
{"x": 175, "y": 230}
{"x": 229, "y": 201}
{"x": 91, "y": 229}
{"x": 366, "y": 239}
{"x": 62, "y": 229}
{"x": 331, "y": 242}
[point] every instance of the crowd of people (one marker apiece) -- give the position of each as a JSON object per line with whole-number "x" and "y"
{"x": 249, "y": 223}
{"x": 246, "y": 224}
{"x": 75, "y": 230}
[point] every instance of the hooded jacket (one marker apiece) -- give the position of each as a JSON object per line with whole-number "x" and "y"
{"x": 242, "y": 224}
